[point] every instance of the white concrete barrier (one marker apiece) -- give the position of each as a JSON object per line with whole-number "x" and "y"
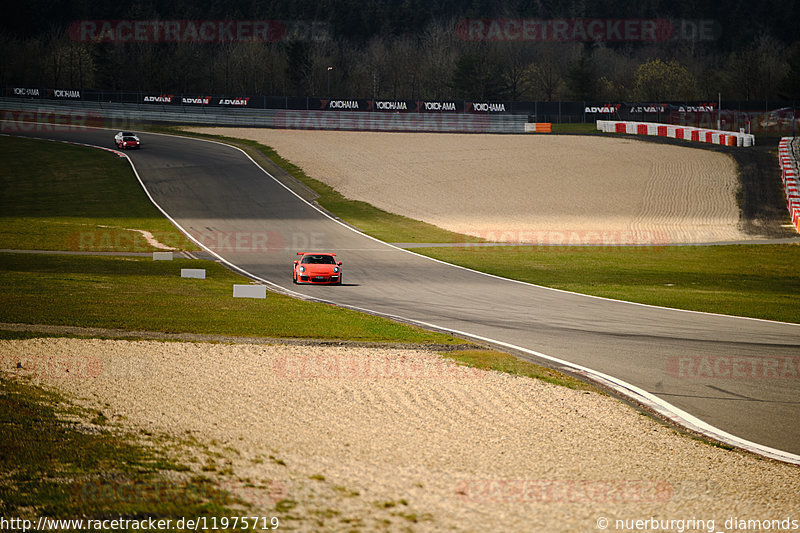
{"x": 688, "y": 133}
{"x": 197, "y": 273}
{"x": 789, "y": 161}
{"x": 162, "y": 256}
{"x": 250, "y": 291}
{"x": 606, "y": 126}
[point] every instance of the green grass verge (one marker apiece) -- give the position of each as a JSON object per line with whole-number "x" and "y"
{"x": 8, "y": 335}
{"x": 66, "y": 462}
{"x": 380, "y": 224}
{"x": 583, "y": 129}
{"x": 57, "y": 196}
{"x": 758, "y": 281}
{"x": 502, "y": 362}
{"x": 133, "y": 293}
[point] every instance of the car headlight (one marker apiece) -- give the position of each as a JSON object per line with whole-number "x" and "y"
{"x": 335, "y": 270}
{"x": 302, "y": 269}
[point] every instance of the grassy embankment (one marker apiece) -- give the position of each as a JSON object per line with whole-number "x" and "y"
{"x": 61, "y": 197}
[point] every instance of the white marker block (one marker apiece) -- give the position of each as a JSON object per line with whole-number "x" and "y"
{"x": 198, "y": 273}
{"x": 249, "y": 291}
{"x": 162, "y": 256}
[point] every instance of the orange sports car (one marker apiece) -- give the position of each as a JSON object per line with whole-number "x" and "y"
{"x": 316, "y": 268}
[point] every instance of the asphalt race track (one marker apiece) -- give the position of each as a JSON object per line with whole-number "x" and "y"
{"x": 725, "y": 376}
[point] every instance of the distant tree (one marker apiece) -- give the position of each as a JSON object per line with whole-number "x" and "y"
{"x": 477, "y": 77}
{"x": 790, "y": 84}
{"x": 223, "y": 69}
{"x": 402, "y": 69}
{"x": 616, "y": 67}
{"x": 68, "y": 63}
{"x": 710, "y": 83}
{"x": 548, "y": 71}
{"x": 741, "y": 74}
{"x": 298, "y": 67}
{"x": 658, "y": 81}
{"x": 257, "y": 68}
{"x": 189, "y": 71}
{"x": 439, "y": 51}
{"x": 372, "y": 70}
{"x": 22, "y": 61}
{"x": 609, "y": 90}
{"x": 755, "y": 72}
{"x": 546, "y": 79}
{"x": 302, "y": 77}
{"x": 513, "y": 61}
{"x": 582, "y": 79}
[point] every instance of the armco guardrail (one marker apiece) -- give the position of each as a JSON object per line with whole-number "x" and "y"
{"x": 689, "y": 133}
{"x": 123, "y": 116}
{"x": 789, "y": 159}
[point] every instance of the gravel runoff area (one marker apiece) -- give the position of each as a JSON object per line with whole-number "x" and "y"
{"x": 392, "y": 439}
{"x": 547, "y": 189}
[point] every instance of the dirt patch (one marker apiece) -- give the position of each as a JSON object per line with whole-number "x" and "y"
{"x": 518, "y": 188}
{"x": 762, "y": 199}
{"x": 387, "y": 439}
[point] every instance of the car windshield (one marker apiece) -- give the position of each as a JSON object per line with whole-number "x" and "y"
{"x": 318, "y": 260}
{"x": 129, "y": 139}
{"x": 128, "y": 134}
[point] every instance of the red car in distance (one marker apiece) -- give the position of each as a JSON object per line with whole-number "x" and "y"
{"x": 317, "y": 269}
{"x": 127, "y": 139}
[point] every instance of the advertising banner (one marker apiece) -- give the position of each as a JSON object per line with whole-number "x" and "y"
{"x": 327, "y": 104}
{"x": 24, "y": 92}
{"x": 392, "y": 106}
{"x": 63, "y": 94}
{"x": 159, "y": 99}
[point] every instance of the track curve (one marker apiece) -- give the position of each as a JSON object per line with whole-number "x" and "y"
{"x": 217, "y": 194}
